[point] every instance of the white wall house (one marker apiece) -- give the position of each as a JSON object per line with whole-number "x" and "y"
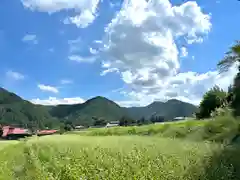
{"x": 112, "y": 124}
{"x": 178, "y": 118}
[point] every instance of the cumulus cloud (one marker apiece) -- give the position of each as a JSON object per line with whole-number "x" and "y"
{"x": 142, "y": 44}
{"x": 103, "y": 73}
{"x": 184, "y": 52}
{"x": 14, "y": 75}
{"x": 57, "y": 101}
{"x": 85, "y": 9}
{"x": 30, "y": 38}
{"x": 48, "y": 88}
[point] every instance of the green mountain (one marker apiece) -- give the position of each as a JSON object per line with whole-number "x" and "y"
{"x": 15, "y": 110}
{"x": 98, "y": 107}
{"x": 169, "y": 110}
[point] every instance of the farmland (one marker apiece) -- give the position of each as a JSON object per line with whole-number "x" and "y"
{"x": 97, "y": 156}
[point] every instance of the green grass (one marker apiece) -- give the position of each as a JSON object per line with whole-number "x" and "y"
{"x": 72, "y": 157}
{"x": 172, "y": 151}
{"x": 221, "y": 129}
{"x": 4, "y": 144}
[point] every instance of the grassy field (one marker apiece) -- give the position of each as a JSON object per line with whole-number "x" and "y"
{"x": 171, "y": 151}
{"x": 221, "y": 129}
{"x": 74, "y": 157}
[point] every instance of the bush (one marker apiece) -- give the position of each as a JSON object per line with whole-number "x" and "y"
{"x": 212, "y": 99}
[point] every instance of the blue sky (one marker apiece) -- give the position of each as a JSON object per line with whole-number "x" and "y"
{"x": 133, "y": 52}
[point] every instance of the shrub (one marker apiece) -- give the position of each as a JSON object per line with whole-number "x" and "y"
{"x": 212, "y": 99}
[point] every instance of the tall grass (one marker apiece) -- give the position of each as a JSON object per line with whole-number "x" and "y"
{"x": 73, "y": 157}
{"x": 221, "y": 129}
{"x": 163, "y": 155}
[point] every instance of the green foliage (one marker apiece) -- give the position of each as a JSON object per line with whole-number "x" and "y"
{"x": 212, "y": 99}
{"x": 220, "y": 129}
{"x": 1, "y": 131}
{"x": 67, "y": 127}
{"x": 169, "y": 110}
{"x": 81, "y": 114}
{"x": 232, "y": 58}
{"x": 235, "y": 103}
{"x": 99, "y": 122}
{"x": 143, "y": 121}
{"x": 157, "y": 119}
{"x": 16, "y": 111}
{"x": 126, "y": 121}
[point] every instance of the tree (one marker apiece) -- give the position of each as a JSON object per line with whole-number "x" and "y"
{"x": 67, "y": 127}
{"x": 212, "y": 99}
{"x": 99, "y": 122}
{"x": 143, "y": 121}
{"x": 1, "y": 130}
{"x": 232, "y": 58}
{"x": 126, "y": 121}
{"x": 155, "y": 119}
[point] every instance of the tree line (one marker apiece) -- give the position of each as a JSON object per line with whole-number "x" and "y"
{"x": 216, "y": 99}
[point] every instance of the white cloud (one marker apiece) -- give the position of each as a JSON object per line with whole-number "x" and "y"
{"x": 81, "y": 59}
{"x": 103, "y": 73}
{"x": 184, "y": 52}
{"x": 143, "y": 43}
{"x": 140, "y": 41}
{"x": 85, "y": 9}
{"x": 82, "y": 20}
{"x": 30, "y": 38}
{"x": 93, "y": 51}
{"x": 187, "y": 86}
{"x": 15, "y": 75}
{"x": 57, "y": 101}
{"x": 48, "y": 88}
{"x": 66, "y": 81}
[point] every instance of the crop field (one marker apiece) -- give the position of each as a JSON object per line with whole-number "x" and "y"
{"x": 186, "y": 150}
{"x": 74, "y": 157}
{"x": 221, "y": 129}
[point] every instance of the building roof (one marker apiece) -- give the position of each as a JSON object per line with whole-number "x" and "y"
{"x": 76, "y": 127}
{"x": 13, "y": 130}
{"x": 111, "y": 125}
{"x": 179, "y": 118}
{"x": 114, "y": 122}
{"x": 47, "y": 131}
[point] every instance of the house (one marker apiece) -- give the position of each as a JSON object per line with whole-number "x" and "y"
{"x": 10, "y": 132}
{"x": 79, "y": 127}
{"x": 46, "y": 132}
{"x": 112, "y": 124}
{"x": 178, "y": 118}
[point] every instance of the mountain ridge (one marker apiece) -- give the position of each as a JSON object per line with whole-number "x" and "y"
{"x": 14, "y": 109}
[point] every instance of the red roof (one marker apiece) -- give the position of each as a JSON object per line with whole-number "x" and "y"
{"x": 12, "y": 130}
{"x": 47, "y": 131}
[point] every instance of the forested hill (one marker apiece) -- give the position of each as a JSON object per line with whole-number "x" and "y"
{"x": 98, "y": 107}
{"x": 15, "y": 110}
{"x": 169, "y": 110}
